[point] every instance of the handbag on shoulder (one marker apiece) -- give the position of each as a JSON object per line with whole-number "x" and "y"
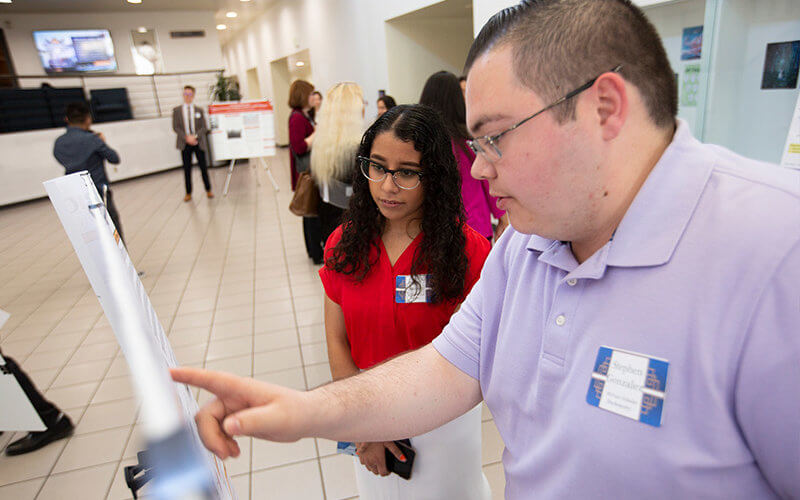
{"x": 305, "y": 201}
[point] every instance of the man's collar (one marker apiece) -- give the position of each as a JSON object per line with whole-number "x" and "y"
{"x": 655, "y": 221}
{"x": 661, "y": 211}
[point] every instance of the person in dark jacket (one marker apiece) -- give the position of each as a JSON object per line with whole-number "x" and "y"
{"x": 59, "y": 426}
{"x": 82, "y": 149}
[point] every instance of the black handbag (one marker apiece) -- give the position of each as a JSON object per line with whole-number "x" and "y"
{"x": 302, "y": 163}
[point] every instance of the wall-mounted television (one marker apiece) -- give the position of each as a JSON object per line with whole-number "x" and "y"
{"x": 75, "y": 51}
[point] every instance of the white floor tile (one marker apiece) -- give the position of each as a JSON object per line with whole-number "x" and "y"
{"x": 277, "y": 360}
{"x": 497, "y": 480}
{"x": 24, "y": 490}
{"x": 31, "y": 465}
{"x": 72, "y": 396}
{"x": 84, "y": 483}
{"x": 86, "y": 450}
{"x": 491, "y": 442}
{"x": 298, "y": 481}
{"x": 339, "y": 476}
{"x": 107, "y": 416}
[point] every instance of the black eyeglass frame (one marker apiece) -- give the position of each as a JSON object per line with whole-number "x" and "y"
{"x": 362, "y": 160}
{"x": 491, "y": 139}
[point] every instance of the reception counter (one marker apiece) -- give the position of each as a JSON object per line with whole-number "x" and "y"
{"x": 26, "y": 158}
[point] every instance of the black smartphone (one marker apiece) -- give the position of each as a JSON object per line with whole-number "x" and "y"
{"x": 402, "y": 469}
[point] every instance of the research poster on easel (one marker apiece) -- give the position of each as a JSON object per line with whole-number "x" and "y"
{"x": 166, "y": 407}
{"x": 242, "y": 129}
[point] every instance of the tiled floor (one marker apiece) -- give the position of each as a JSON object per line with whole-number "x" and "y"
{"x": 234, "y": 290}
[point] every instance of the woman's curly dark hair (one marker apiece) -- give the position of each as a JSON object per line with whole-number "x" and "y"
{"x": 442, "y": 249}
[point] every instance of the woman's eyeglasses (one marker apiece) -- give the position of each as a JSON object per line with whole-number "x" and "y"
{"x": 403, "y": 178}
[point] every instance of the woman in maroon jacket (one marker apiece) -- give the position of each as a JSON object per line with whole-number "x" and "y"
{"x": 301, "y": 137}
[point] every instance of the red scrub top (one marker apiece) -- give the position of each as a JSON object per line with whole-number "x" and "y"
{"x": 377, "y": 326}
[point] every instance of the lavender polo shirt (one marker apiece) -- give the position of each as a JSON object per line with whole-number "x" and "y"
{"x": 703, "y": 272}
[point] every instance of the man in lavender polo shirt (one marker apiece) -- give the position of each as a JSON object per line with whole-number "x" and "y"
{"x": 637, "y": 333}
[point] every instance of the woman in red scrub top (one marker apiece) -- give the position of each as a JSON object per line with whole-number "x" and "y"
{"x": 395, "y": 271}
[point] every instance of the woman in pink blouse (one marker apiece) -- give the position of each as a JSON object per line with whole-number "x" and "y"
{"x": 443, "y": 93}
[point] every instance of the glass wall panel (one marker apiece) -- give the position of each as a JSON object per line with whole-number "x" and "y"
{"x": 752, "y": 89}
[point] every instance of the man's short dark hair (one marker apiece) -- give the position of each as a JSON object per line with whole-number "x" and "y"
{"x": 558, "y": 45}
{"x": 189, "y": 87}
{"x": 77, "y": 112}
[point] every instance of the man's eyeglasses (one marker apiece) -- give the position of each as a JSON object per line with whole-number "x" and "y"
{"x": 487, "y": 144}
{"x": 403, "y": 178}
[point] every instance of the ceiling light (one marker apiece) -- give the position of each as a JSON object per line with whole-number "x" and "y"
{"x": 9, "y": 1}
{"x": 134, "y": 1}
{"x": 142, "y": 29}
{"x": 221, "y": 27}
{"x": 245, "y": 0}
{"x": 299, "y": 64}
{"x": 231, "y": 14}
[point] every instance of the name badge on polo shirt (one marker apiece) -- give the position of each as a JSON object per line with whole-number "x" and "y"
{"x": 412, "y": 289}
{"x": 629, "y": 384}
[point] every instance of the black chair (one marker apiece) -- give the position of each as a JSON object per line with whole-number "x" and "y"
{"x": 110, "y": 105}
{"x": 24, "y": 109}
{"x": 58, "y": 98}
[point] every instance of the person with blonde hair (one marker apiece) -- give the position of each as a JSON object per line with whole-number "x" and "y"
{"x": 339, "y": 129}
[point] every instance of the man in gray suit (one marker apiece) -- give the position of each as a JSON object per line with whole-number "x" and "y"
{"x": 189, "y": 123}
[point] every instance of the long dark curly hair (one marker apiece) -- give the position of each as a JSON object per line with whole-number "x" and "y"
{"x": 442, "y": 249}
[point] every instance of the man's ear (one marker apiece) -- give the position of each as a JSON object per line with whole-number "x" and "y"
{"x": 611, "y": 104}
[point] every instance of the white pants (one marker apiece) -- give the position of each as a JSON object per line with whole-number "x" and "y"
{"x": 447, "y": 466}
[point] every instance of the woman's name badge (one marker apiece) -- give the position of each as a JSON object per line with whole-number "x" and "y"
{"x": 412, "y": 289}
{"x": 629, "y": 384}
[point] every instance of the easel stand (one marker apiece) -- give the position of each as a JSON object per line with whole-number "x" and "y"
{"x": 263, "y": 161}
{"x": 177, "y": 467}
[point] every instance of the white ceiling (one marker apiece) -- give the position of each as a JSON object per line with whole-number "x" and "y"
{"x": 246, "y": 11}
{"x": 52, "y": 6}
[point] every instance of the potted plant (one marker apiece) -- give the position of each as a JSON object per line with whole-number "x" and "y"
{"x": 225, "y": 89}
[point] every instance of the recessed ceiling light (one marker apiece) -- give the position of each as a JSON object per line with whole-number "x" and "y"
{"x": 9, "y": 1}
{"x": 231, "y": 14}
{"x": 245, "y": 0}
{"x": 134, "y": 1}
{"x": 142, "y": 29}
{"x": 299, "y": 64}
{"x": 221, "y": 27}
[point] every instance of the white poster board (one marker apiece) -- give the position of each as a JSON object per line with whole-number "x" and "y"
{"x": 791, "y": 151}
{"x": 17, "y": 412}
{"x": 166, "y": 407}
{"x": 241, "y": 130}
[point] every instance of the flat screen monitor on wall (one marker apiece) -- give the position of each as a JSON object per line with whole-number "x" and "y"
{"x": 75, "y": 51}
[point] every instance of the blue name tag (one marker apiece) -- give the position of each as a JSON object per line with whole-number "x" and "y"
{"x": 408, "y": 290}
{"x": 346, "y": 448}
{"x": 629, "y": 384}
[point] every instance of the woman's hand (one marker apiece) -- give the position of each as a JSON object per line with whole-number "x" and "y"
{"x": 243, "y": 406}
{"x": 310, "y": 139}
{"x": 373, "y": 456}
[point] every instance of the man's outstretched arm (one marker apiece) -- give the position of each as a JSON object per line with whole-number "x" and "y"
{"x": 405, "y": 397}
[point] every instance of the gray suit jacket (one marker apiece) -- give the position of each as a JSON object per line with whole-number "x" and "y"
{"x": 200, "y": 127}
